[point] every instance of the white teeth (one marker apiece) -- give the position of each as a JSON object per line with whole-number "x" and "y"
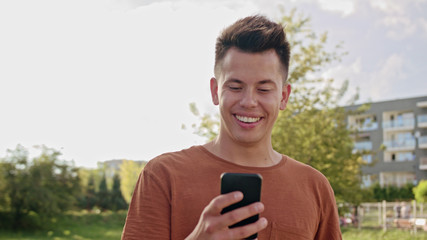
{"x": 247, "y": 119}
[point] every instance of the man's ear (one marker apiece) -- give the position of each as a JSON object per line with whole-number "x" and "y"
{"x": 286, "y": 91}
{"x": 214, "y": 91}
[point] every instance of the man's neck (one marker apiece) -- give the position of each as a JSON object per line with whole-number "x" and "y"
{"x": 252, "y": 155}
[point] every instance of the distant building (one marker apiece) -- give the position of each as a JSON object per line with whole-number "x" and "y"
{"x": 396, "y": 132}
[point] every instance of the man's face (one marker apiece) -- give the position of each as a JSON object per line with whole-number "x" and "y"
{"x": 250, "y": 94}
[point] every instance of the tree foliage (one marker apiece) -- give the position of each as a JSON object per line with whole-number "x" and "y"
{"x": 110, "y": 199}
{"x": 129, "y": 172}
{"x": 313, "y": 128}
{"x": 420, "y": 191}
{"x": 89, "y": 199}
{"x": 103, "y": 195}
{"x": 43, "y": 186}
{"x": 391, "y": 193}
{"x": 102, "y": 188}
{"x": 35, "y": 190}
{"x": 117, "y": 200}
{"x": 209, "y": 125}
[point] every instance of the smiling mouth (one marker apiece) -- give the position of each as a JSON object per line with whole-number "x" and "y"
{"x": 247, "y": 119}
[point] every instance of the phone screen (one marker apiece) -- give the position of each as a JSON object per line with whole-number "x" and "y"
{"x": 250, "y": 186}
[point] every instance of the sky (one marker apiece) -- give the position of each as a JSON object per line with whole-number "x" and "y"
{"x": 113, "y": 79}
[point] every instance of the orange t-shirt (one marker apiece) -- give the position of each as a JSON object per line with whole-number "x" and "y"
{"x": 174, "y": 188}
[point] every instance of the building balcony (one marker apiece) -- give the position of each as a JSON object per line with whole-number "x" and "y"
{"x": 422, "y": 104}
{"x": 367, "y": 158}
{"x": 401, "y": 125}
{"x": 401, "y": 145}
{"x": 423, "y": 163}
{"x": 422, "y": 121}
{"x": 399, "y": 157}
{"x": 365, "y": 127}
{"x": 422, "y": 142}
{"x": 363, "y": 146}
{"x": 397, "y": 179}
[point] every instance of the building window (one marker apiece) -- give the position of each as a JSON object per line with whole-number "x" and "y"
{"x": 398, "y": 179}
{"x": 367, "y": 158}
{"x": 366, "y": 181}
{"x": 405, "y": 156}
{"x": 363, "y": 123}
{"x": 369, "y": 179}
{"x": 362, "y": 146}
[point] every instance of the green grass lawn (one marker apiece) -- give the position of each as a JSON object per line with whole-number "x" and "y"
{"x": 378, "y": 234}
{"x": 109, "y": 225}
{"x": 76, "y": 226}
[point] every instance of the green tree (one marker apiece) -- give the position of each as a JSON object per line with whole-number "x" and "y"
{"x": 313, "y": 128}
{"x": 16, "y": 185}
{"x": 392, "y": 193}
{"x": 89, "y": 199}
{"x": 406, "y": 192}
{"x": 117, "y": 200}
{"x": 38, "y": 189}
{"x": 129, "y": 172}
{"x": 378, "y": 192}
{"x": 209, "y": 125}
{"x": 3, "y": 185}
{"x": 103, "y": 195}
{"x": 420, "y": 191}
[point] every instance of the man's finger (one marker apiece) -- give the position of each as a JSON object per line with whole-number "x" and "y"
{"x": 220, "y": 202}
{"x": 247, "y": 230}
{"x": 237, "y": 215}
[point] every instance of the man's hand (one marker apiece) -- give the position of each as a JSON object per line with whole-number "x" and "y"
{"x": 212, "y": 225}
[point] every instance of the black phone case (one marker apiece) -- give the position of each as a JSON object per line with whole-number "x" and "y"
{"x": 250, "y": 186}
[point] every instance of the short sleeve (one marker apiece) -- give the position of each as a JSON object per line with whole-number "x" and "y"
{"x": 329, "y": 228}
{"x": 149, "y": 211}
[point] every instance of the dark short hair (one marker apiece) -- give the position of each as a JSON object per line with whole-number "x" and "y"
{"x": 253, "y": 34}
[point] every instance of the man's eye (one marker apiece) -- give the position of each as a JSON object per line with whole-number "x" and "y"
{"x": 264, "y": 90}
{"x": 234, "y": 88}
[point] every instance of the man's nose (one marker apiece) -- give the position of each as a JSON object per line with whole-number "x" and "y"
{"x": 249, "y": 99}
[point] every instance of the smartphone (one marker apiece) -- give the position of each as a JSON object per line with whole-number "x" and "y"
{"x": 247, "y": 183}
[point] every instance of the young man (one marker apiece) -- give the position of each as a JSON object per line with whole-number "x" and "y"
{"x": 177, "y": 194}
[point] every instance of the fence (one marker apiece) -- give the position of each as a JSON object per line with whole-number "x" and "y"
{"x": 386, "y": 215}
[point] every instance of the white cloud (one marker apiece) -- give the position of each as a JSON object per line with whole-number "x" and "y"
{"x": 376, "y": 85}
{"x": 340, "y": 73}
{"x": 389, "y": 6}
{"x": 399, "y": 17}
{"x": 392, "y": 68}
{"x": 423, "y": 26}
{"x": 399, "y": 27}
{"x": 176, "y": 4}
{"x": 345, "y": 7}
{"x": 382, "y": 82}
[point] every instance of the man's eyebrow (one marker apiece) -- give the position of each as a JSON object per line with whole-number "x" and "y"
{"x": 266, "y": 81}
{"x": 233, "y": 80}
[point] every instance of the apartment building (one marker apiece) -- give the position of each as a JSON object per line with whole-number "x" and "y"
{"x": 395, "y": 132}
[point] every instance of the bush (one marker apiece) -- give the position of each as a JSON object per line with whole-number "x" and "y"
{"x": 420, "y": 191}
{"x": 392, "y": 193}
{"x": 33, "y": 191}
